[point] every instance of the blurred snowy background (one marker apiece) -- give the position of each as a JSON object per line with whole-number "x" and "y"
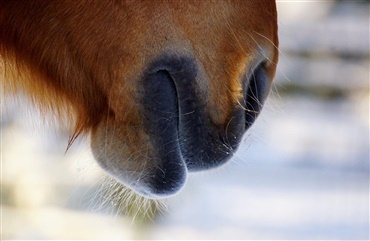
{"x": 302, "y": 171}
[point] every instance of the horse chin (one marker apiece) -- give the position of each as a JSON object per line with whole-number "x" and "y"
{"x": 136, "y": 163}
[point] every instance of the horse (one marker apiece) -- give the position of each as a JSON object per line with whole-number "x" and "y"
{"x": 162, "y": 88}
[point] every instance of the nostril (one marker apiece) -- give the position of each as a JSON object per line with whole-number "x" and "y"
{"x": 160, "y": 105}
{"x": 255, "y": 94}
{"x": 160, "y": 113}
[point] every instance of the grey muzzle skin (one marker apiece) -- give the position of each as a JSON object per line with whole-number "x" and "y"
{"x": 176, "y": 120}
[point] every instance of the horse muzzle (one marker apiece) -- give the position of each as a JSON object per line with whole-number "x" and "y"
{"x": 179, "y": 124}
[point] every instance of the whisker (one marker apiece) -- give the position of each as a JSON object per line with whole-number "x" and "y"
{"x": 272, "y": 43}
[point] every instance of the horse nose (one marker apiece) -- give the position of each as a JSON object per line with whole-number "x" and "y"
{"x": 177, "y": 120}
{"x": 179, "y": 125}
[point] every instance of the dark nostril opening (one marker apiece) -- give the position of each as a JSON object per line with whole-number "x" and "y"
{"x": 160, "y": 106}
{"x": 160, "y": 113}
{"x": 255, "y": 94}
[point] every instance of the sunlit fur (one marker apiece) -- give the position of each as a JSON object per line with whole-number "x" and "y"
{"x": 83, "y": 59}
